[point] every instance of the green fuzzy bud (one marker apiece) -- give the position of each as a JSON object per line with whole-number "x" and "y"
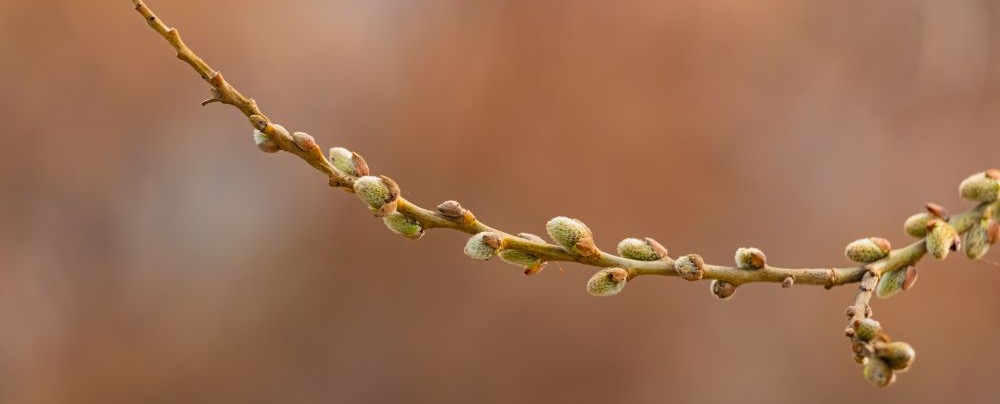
{"x": 636, "y": 249}
{"x": 898, "y": 355}
{"x": 979, "y": 239}
{"x": 892, "y": 283}
{"x": 878, "y": 373}
{"x": 572, "y": 235}
{"x": 942, "y": 239}
{"x": 868, "y": 249}
{"x": 404, "y": 225}
{"x": 981, "y": 187}
{"x": 531, "y": 263}
{"x": 867, "y": 329}
{"x": 690, "y": 267}
{"x": 916, "y": 225}
{"x": 722, "y": 289}
{"x": 348, "y": 162}
{"x": 607, "y": 282}
{"x": 264, "y": 143}
{"x": 750, "y": 258}
{"x": 483, "y": 246}
{"x": 380, "y": 193}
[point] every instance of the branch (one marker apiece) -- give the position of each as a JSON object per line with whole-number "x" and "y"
{"x": 882, "y": 272}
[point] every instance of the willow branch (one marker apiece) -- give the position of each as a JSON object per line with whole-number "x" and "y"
{"x": 575, "y": 242}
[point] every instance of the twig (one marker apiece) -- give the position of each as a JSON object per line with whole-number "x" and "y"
{"x": 574, "y": 241}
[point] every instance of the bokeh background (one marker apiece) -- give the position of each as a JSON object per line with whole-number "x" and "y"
{"x": 150, "y": 254}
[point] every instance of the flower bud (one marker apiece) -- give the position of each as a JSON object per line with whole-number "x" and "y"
{"x": 483, "y": 246}
{"x": 380, "y": 193}
{"x": 348, "y": 162}
{"x": 451, "y": 209}
{"x": 867, "y": 329}
{"x": 896, "y": 281}
{"x": 722, "y": 289}
{"x": 787, "y": 282}
{"x": 531, "y": 263}
{"x": 979, "y": 238}
{"x": 264, "y": 143}
{"x": 690, "y": 267}
{"x": 942, "y": 239}
{"x": 641, "y": 250}
{"x": 750, "y": 258}
{"x": 607, "y": 282}
{"x": 981, "y": 187}
{"x": 304, "y": 141}
{"x": 868, "y": 250}
{"x": 878, "y": 373}
{"x": 916, "y": 225}
{"x": 898, "y": 355}
{"x": 572, "y": 235}
{"x": 404, "y": 225}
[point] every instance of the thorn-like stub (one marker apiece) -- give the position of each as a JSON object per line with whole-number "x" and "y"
{"x": 750, "y": 258}
{"x": 868, "y": 250}
{"x": 942, "y": 238}
{"x": 482, "y": 246}
{"x": 451, "y": 209}
{"x": 788, "y": 282}
{"x": 607, "y": 282}
{"x": 690, "y": 267}
{"x": 722, "y": 289}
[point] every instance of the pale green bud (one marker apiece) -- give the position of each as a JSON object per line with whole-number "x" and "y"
{"x": 898, "y": 355}
{"x": 641, "y": 250}
{"x": 572, "y": 235}
{"x": 404, "y": 225}
{"x": 981, "y": 187}
{"x": 264, "y": 143}
{"x": 722, "y": 289}
{"x": 942, "y": 239}
{"x": 878, "y": 373}
{"x": 896, "y": 281}
{"x": 531, "y": 263}
{"x": 690, "y": 267}
{"x": 868, "y": 249}
{"x": 348, "y": 162}
{"x": 607, "y": 282}
{"x": 483, "y": 246}
{"x": 380, "y": 193}
{"x": 867, "y": 329}
{"x": 750, "y": 258}
{"x": 916, "y": 225}
{"x": 979, "y": 238}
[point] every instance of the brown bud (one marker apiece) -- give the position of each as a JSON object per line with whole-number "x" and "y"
{"x": 937, "y": 210}
{"x": 657, "y": 247}
{"x": 493, "y": 240}
{"x": 787, "y": 282}
{"x": 690, "y": 267}
{"x": 451, "y": 209}
{"x": 993, "y": 173}
{"x": 722, "y": 289}
{"x": 304, "y": 141}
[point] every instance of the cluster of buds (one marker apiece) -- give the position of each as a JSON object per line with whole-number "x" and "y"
{"x": 881, "y": 357}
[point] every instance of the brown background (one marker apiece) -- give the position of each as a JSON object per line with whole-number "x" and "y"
{"x": 150, "y": 254}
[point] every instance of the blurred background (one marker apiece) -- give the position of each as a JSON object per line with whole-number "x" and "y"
{"x": 150, "y": 254}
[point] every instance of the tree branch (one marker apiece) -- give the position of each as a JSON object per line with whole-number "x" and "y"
{"x": 574, "y": 241}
